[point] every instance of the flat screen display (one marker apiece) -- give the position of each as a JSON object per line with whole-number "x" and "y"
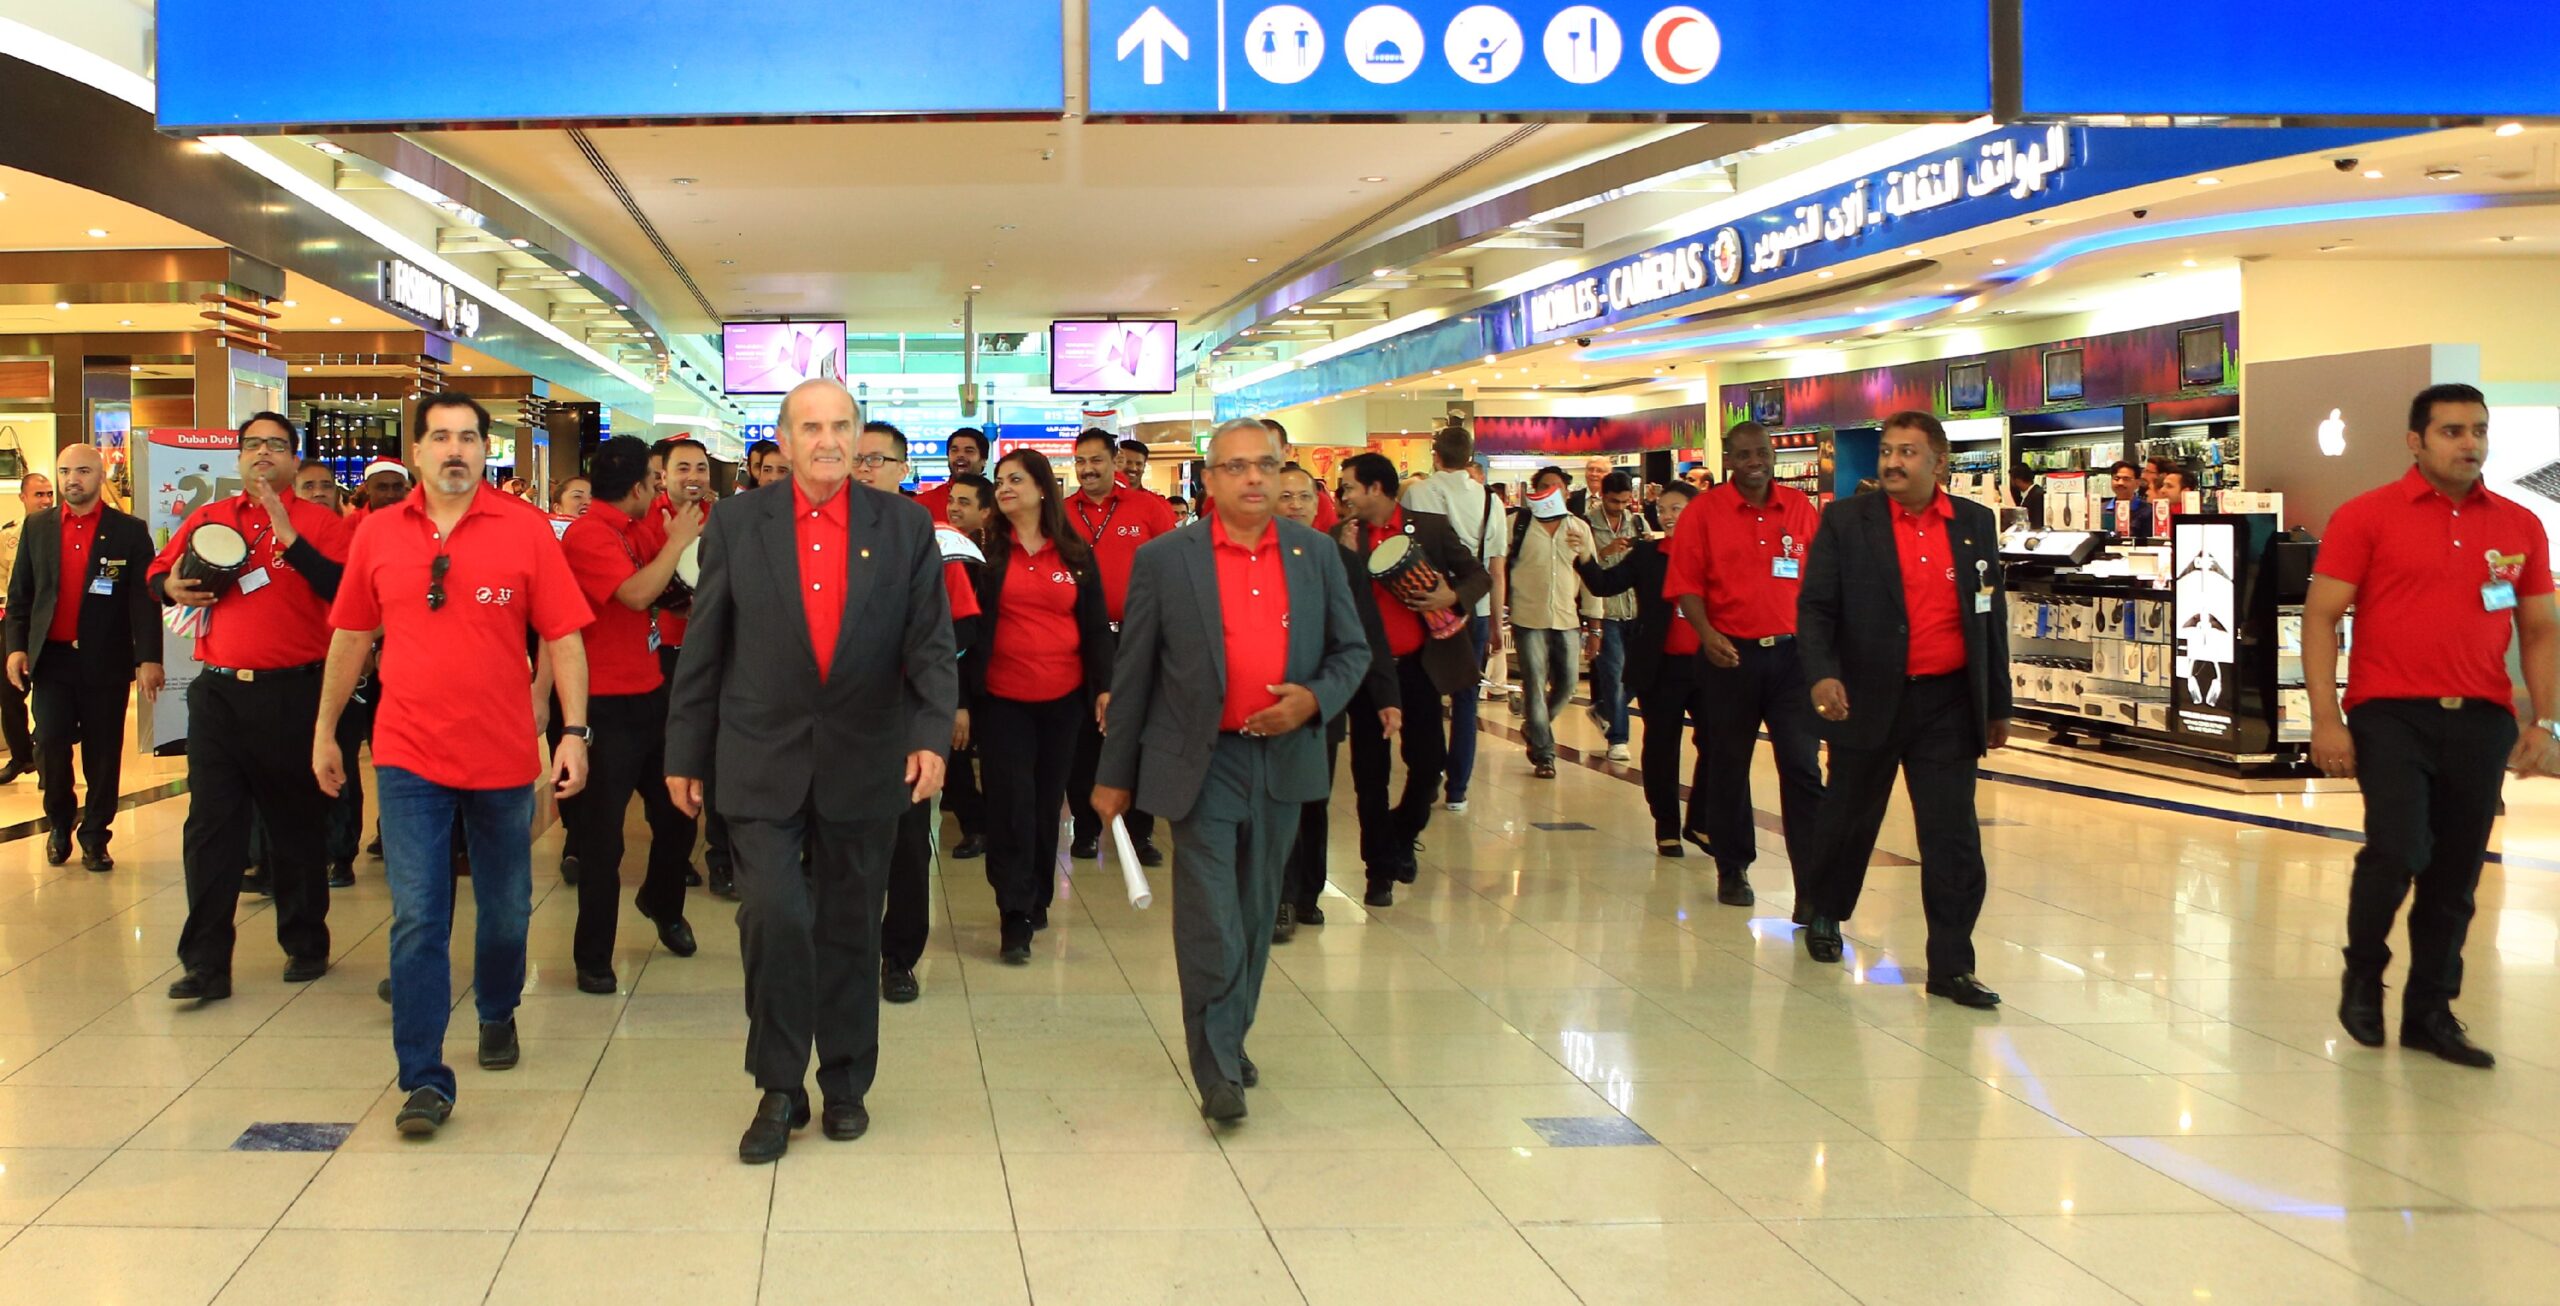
{"x": 1769, "y": 405}
{"x": 768, "y": 358}
{"x": 1113, "y": 358}
{"x": 2200, "y": 356}
{"x": 2062, "y": 377}
{"x": 1968, "y": 387}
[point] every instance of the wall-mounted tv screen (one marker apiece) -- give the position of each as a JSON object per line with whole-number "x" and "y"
{"x": 768, "y": 358}
{"x": 1113, "y": 358}
{"x": 1968, "y": 387}
{"x": 1769, "y": 405}
{"x": 2062, "y": 379}
{"x": 2200, "y": 355}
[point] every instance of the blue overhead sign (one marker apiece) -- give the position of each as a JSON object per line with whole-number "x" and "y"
{"x": 2311, "y": 58}
{"x": 253, "y": 65}
{"x": 1346, "y": 57}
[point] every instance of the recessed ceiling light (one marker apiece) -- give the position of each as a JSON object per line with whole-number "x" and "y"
{"x": 137, "y": 367}
{"x": 1382, "y": 272}
{"x": 1911, "y": 253}
{"x": 1251, "y": 259}
{"x": 466, "y": 367}
{"x": 2444, "y": 174}
{"x": 2373, "y": 174}
{"x": 1373, "y": 180}
{"x": 2208, "y": 181}
{"x": 306, "y": 369}
{"x": 682, "y": 181}
{"x": 1744, "y": 295}
{"x": 622, "y": 308}
{"x": 97, "y": 233}
{"x": 728, "y": 262}
{"x": 126, "y": 321}
{"x": 1948, "y": 286}
{"x": 520, "y": 242}
{"x": 328, "y": 147}
{"x": 1822, "y": 276}
{"x": 1488, "y": 360}
{"x": 2188, "y": 264}
{"x": 1999, "y": 262}
{"x": 2510, "y": 128}
{"x": 61, "y": 305}
{"x": 337, "y": 321}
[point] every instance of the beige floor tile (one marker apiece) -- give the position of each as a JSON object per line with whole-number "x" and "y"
{"x": 129, "y": 1267}
{"x": 683, "y": 1015}
{"x": 2181, "y": 1260}
{"x": 1323, "y": 1120}
{"x": 32, "y": 1178}
{"x": 1593, "y": 1185}
{"x": 418, "y": 1188}
{"x": 1498, "y": 1115}
{"x": 636, "y": 1193}
{"x": 77, "y": 1117}
{"x": 1359, "y": 1267}
{"x": 2259, "y": 1172}
{"x": 212, "y": 1119}
{"x": 2154, "y": 1105}
{"x": 1655, "y": 1056}
{"x": 1062, "y": 1191}
{"x": 1924, "y": 1262}
{"x": 276, "y": 1062}
{"x": 2326, "y": 1102}
{"x": 1648, "y": 1264}
{"x": 1134, "y": 1061}
{"x": 2051, "y": 1176}
{"x": 1795, "y": 1051}
{"x": 681, "y": 1065}
{"x": 656, "y": 1268}
{"x": 1402, "y": 1012}
{"x": 1403, "y": 1060}
{"x": 823, "y": 1186}
{"x": 964, "y": 1269}
{"x": 1237, "y": 1266}
{"x": 665, "y": 1122}
{"x": 1930, "y": 1108}
{"x": 91, "y": 1060}
{"x": 2489, "y": 1171}
{"x": 1099, "y": 1120}
{"x": 546, "y": 1064}
{"x": 1824, "y": 1180}
{"x": 1361, "y": 1190}
{"x": 523, "y": 1122}
{"x": 364, "y": 1267}
{"x": 188, "y": 1190}
{"x": 2199, "y": 1048}
{"x": 1010, "y": 1017}
{"x": 921, "y": 1065}
{"x": 2442, "y": 1258}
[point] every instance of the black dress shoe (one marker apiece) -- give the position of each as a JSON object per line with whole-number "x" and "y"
{"x": 1148, "y": 855}
{"x": 1085, "y": 850}
{"x": 57, "y": 848}
{"x": 342, "y": 875}
{"x": 1252, "y": 1073}
{"x": 1379, "y": 895}
{"x": 2360, "y": 1007}
{"x": 303, "y": 970}
{"x": 598, "y": 981}
{"x": 258, "y": 884}
{"x": 1311, "y": 915}
{"x": 1015, "y": 930}
{"x": 846, "y": 1121}
{"x": 969, "y": 849}
{"x": 2440, "y": 1033}
{"x": 692, "y": 878}
{"x": 569, "y": 870}
{"x": 1699, "y": 837}
{"x": 1964, "y": 991}
{"x": 498, "y": 1050}
{"x": 1408, "y": 867}
{"x": 96, "y": 859}
{"x": 423, "y": 1114}
{"x": 1822, "y": 938}
{"x": 724, "y": 882}
{"x": 1222, "y": 1101}
{"x": 383, "y": 990}
{"x": 200, "y": 986}
{"x": 1798, "y": 916}
{"x": 898, "y": 984}
{"x": 1733, "y": 888}
{"x": 768, "y": 1136}
{"x": 10, "y": 773}
{"x": 1669, "y": 848}
{"x": 1040, "y": 917}
{"x": 374, "y": 849}
{"x": 1285, "y": 928}
{"x": 677, "y": 936}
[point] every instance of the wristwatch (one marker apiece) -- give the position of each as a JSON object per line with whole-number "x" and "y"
{"x": 583, "y": 734}
{"x": 2548, "y": 726}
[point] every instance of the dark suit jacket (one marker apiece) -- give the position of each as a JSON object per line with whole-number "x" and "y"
{"x": 1451, "y": 663}
{"x": 747, "y": 702}
{"x": 128, "y": 622}
{"x": 1645, "y": 569}
{"x": 1171, "y": 683}
{"x": 1379, "y": 681}
{"x": 1851, "y": 624}
{"x": 1093, "y": 623}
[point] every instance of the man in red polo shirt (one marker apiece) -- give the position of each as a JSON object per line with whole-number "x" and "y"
{"x": 250, "y": 713}
{"x": 966, "y": 454}
{"x": 1904, "y": 631}
{"x": 2442, "y": 574}
{"x": 1230, "y": 697}
{"x": 1737, "y": 566}
{"x": 453, "y": 578}
{"x": 1117, "y": 519}
{"x": 627, "y": 704}
{"x": 685, "y": 479}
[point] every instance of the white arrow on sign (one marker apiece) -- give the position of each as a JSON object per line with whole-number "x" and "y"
{"x": 1155, "y": 33}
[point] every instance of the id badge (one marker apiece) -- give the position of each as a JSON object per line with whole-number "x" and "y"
{"x": 1786, "y": 568}
{"x": 2498, "y": 595}
{"x": 107, "y": 585}
{"x": 251, "y": 582}
{"x": 1982, "y": 603}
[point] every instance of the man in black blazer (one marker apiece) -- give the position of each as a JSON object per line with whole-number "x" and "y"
{"x": 1428, "y": 669}
{"x": 818, "y": 682}
{"x": 1904, "y": 631}
{"x": 84, "y": 630}
{"x": 1304, "y": 884}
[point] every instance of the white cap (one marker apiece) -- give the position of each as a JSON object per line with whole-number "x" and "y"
{"x": 380, "y": 465}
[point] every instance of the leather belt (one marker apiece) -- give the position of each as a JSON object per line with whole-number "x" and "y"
{"x": 1769, "y": 641}
{"x": 249, "y": 675}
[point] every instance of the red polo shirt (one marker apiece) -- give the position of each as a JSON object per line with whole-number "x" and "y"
{"x": 270, "y": 619}
{"x": 1929, "y": 599}
{"x": 2419, "y": 562}
{"x": 1746, "y": 562}
{"x": 457, "y": 706}
{"x": 936, "y": 500}
{"x": 603, "y": 552}
{"x": 651, "y": 537}
{"x": 1404, "y": 625}
{"x": 1253, "y": 607}
{"x": 79, "y": 537}
{"x": 823, "y": 533}
{"x": 1039, "y": 652}
{"x": 1115, "y": 527}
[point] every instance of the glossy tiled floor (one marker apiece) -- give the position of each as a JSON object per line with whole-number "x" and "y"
{"x": 2163, "y": 1112}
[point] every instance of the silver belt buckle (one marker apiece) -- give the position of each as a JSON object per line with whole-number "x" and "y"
{"x": 1767, "y": 641}
{"x": 245, "y": 676}
{"x": 2449, "y": 704}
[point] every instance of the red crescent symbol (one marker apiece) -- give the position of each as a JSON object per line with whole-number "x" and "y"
{"x": 1662, "y": 45}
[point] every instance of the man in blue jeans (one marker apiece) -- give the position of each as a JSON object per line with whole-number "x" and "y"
{"x": 452, "y": 579}
{"x": 1616, "y": 519}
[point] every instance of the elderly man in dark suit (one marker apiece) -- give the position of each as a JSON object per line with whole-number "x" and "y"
{"x": 1240, "y": 640}
{"x": 819, "y": 680}
{"x": 83, "y": 629}
{"x": 1904, "y": 628}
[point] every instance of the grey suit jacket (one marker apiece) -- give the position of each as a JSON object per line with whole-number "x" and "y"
{"x": 747, "y": 704}
{"x": 1169, "y": 683}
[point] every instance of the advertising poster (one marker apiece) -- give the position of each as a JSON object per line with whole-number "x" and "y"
{"x": 2207, "y": 617}
{"x": 188, "y": 469}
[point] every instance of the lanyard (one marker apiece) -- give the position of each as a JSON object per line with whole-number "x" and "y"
{"x": 1085, "y": 518}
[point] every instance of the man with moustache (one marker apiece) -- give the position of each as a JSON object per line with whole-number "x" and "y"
{"x": 764, "y": 466}
{"x": 1116, "y": 519}
{"x": 1302, "y": 883}
{"x": 821, "y": 676}
{"x": 1241, "y": 639}
{"x": 1129, "y": 459}
{"x": 250, "y": 713}
{"x": 687, "y": 470}
{"x": 966, "y": 453}
{"x": 313, "y": 482}
{"x": 82, "y": 631}
{"x": 35, "y": 494}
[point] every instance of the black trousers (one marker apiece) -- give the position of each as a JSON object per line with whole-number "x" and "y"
{"x": 1767, "y": 688}
{"x": 630, "y": 754}
{"x": 809, "y": 934}
{"x": 249, "y": 757}
{"x": 80, "y": 705}
{"x": 1933, "y": 743}
{"x": 1674, "y": 705}
{"x": 715, "y": 827}
{"x": 2431, "y": 778}
{"x": 960, "y": 795}
{"x": 906, "y": 918}
{"x": 13, "y": 726}
{"x": 1302, "y": 885}
{"x": 1388, "y": 828}
{"x": 346, "y": 811}
{"x": 1031, "y": 748}
{"x": 1142, "y": 827}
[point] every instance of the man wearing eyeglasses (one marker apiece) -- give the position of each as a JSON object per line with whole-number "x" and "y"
{"x": 250, "y": 713}
{"x": 1116, "y": 519}
{"x": 453, "y": 578}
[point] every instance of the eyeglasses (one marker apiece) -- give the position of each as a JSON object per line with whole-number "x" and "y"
{"x": 254, "y": 443}
{"x": 867, "y": 461}
{"x": 435, "y": 581}
{"x": 1239, "y": 466}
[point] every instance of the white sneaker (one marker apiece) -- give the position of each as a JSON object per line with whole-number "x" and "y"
{"x": 1619, "y": 753}
{"x": 1454, "y": 805}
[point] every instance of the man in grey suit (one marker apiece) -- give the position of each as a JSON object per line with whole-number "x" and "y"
{"x": 818, "y": 682}
{"x": 1240, "y": 640}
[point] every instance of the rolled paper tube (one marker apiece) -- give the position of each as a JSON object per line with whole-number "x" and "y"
{"x": 1140, "y": 895}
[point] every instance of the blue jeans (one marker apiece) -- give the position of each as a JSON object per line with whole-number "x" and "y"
{"x": 1550, "y": 666}
{"x": 1462, "y": 715}
{"x": 417, "y": 851}
{"x": 1608, "y": 687}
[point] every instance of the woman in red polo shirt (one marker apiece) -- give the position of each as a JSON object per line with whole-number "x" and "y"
{"x": 1043, "y": 666}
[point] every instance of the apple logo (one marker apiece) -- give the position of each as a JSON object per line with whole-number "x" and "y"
{"x": 2333, "y": 435}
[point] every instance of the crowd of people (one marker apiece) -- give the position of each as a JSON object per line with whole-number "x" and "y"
{"x": 792, "y": 676}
